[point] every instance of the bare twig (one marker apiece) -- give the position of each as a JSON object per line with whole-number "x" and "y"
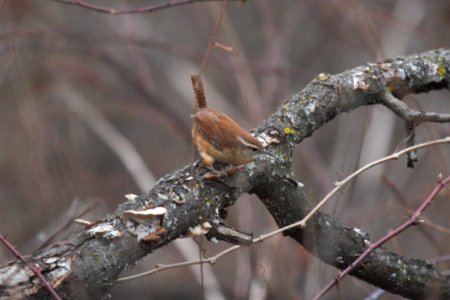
{"x": 143, "y": 9}
{"x": 412, "y": 118}
{"x": 212, "y": 40}
{"x": 342, "y": 183}
{"x": 68, "y": 222}
{"x": 117, "y": 142}
{"x": 408, "y": 114}
{"x": 411, "y": 141}
{"x": 426, "y": 222}
{"x": 33, "y": 268}
{"x": 161, "y": 267}
{"x": 413, "y": 220}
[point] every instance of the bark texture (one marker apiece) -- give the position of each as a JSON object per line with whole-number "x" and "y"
{"x": 87, "y": 263}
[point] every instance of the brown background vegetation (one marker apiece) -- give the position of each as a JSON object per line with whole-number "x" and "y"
{"x": 135, "y": 70}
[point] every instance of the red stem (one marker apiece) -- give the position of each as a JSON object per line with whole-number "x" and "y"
{"x": 413, "y": 220}
{"x": 32, "y": 267}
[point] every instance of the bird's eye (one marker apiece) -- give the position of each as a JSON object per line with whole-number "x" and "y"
{"x": 255, "y": 149}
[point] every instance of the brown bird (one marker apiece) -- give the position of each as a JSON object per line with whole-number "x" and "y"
{"x": 218, "y": 137}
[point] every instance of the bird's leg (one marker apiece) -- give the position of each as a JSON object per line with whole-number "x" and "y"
{"x": 226, "y": 171}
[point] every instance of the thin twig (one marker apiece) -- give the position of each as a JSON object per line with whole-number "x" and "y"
{"x": 35, "y": 270}
{"x": 143, "y": 9}
{"x": 212, "y": 39}
{"x": 413, "y": 220}
{"x": 426, "y": 222}
{"x": 161, "y": 267}
{"x": 342, "y": 183}
{"x": 68, "y": 222}
{"x": 112, "y": 137}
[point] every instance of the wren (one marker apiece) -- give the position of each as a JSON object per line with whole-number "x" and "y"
{"x": 218, "y": 137}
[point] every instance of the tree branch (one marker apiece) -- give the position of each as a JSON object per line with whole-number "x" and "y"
{"x": 88, "y": 262}
{"x": 412, "y": 221}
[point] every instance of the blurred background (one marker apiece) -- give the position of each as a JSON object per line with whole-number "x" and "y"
{"x": 95, "y": 106}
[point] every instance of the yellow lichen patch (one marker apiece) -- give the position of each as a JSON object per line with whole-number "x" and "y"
{"x": 208, "y": 200}
{"x": 441, "y": 70}
{"x": 289, "y": 130}
{"x": 323, "y": 76}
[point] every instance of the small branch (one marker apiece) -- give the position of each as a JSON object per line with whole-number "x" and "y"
{"x": 69, "y": 220}
{"x": 412, "y": 118}
{"x": 410, "y": 142}
{"x": 143, "y": 9}
{"x": 413, "y": 220}
{"x": 212, "y": 40}
{"x": 116, "y": 141}
{"x": 230, "y": 235}
{"x": 160, "y": 267}
{"x": 408, "y": 114}
{"x": 426, "y": 222}
{"x": 35, "y": 270}
{"x": 342, "y": 183}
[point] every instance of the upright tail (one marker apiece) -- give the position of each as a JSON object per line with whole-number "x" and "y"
{"x": 200, "y": 99}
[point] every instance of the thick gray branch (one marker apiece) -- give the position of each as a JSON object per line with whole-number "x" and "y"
{"x": 88, "y": 262}
{"x": 339, "y": 245}
{"x": 329, "y": 95}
